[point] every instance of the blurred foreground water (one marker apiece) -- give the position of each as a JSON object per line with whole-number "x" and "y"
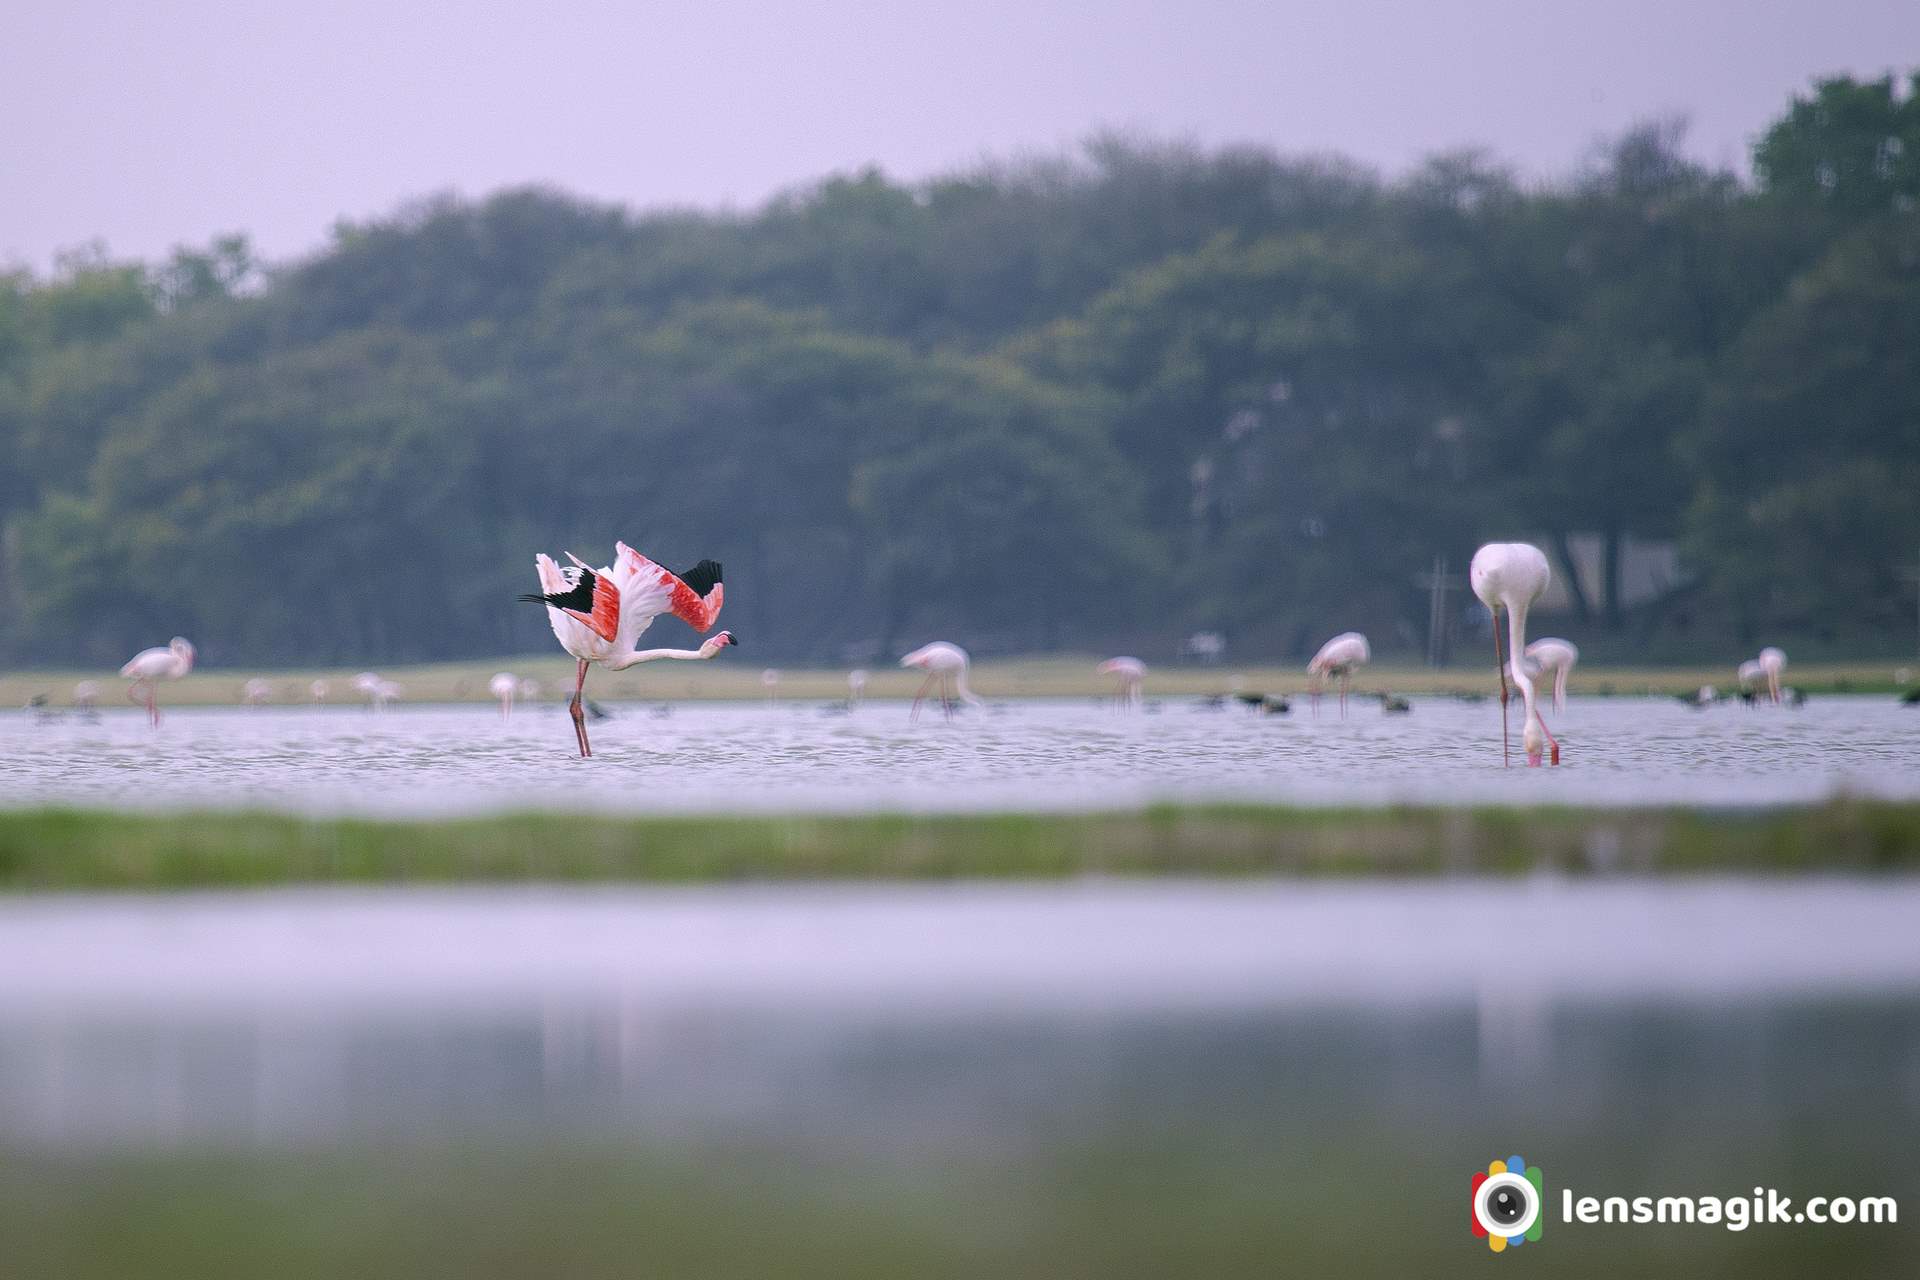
{"x": 1024, "y": 755}
{"x": 1081, "y": 1079}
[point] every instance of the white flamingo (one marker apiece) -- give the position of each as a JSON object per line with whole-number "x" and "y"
{"x": 504, "y": 687}
{"x": 150, "y": 666}
{"x": 945, "y": 664}
{"x": 856, "y": 686}
{"x": 85, "y": 694}
{"x": 380, "y": 691}
{"x": 1341, "y": 656}
{"x": 1772, "y": 662}
{"x": 597, "y": 614}
{"x": 318, "y": 691}
{"x": 256, "y": 693}
{"x": 1130, "y": 675}
{"x": 1550, "y": 653}
{"x": 1511, "y": 576}
{"x": 770, "y": 681}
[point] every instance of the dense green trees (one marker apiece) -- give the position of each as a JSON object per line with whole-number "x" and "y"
{"x": 1105, "y": 399}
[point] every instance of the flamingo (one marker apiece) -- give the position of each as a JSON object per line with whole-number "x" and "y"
{"x": 503, "y": 687}
{"x": 256, "y": 693}
{"x": 597, "y": 614}
{"x": 379, "y": 690}
{"x": 947, "y": 664}
{"x": 1549, "y": 653}
{"x": 85, "y": 694}
{"x": 151, "y": 665}
{"x": 1772, "y": 662}
{"x": 1129, "y": 674}
{"x": 319, "y": 690}
{"x": 1340, "y": 656}
{"x": 856, "y": 686}
{"x": 1749, "y": 677}
{"x": 770, "y": 681}
{"x": 1511, "y": 576}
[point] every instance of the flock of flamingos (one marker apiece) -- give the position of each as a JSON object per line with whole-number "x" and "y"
{"x": 598, "y": 615}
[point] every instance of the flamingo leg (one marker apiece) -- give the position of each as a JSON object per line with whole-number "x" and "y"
{"x": 1346, "y": 682}
{"x": 1500, "y": 669}
{"x": 579, "y": 713}
{"x": 924, "y": 686}
{"x": 946, "y": 696}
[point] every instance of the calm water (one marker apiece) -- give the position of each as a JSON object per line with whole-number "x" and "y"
{"x": 1079, "y": 1079}
{"x": 705, "y": 756}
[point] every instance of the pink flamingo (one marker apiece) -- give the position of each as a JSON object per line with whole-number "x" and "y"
{"x": 1340, "y": 656}
{"x": 1550, "y": 653}
{"x": 598, "y": 614}
{"x": 1772, "y": 662}
{"x": 504, "y": 687}
{"x": 946, "y": 664}
{"x": 1130, "y": 675}
{"x": 1511, "y": 576}
{"x": 149, "y": 666}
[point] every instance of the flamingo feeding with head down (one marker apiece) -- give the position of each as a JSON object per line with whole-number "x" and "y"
{"x": 598, "y": 614}
{"x": 1129, "y": 675}
{"x": 947, "y": 665}
{"x": 149, "y": 666}
{"x": 1511, "y": 576}
{"x": 1340, "y": 656}
{"x": 1549, "y": 653}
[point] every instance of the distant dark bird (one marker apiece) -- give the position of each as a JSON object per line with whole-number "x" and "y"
{"x": 1700, "y": 699}
{"x": 1394, "y": 704}
{"x": 1911, "y": 698}
{"x": 1252, "y": 701}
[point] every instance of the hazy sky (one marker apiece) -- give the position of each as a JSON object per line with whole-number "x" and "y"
{"x": 151, "y": 123}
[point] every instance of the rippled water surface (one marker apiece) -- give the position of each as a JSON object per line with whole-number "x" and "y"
{"x": 1026, "y": 755}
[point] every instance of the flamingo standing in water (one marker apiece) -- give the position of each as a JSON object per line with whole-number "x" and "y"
{"x": 598, "y": 614}
{"x": 149, "y": 666}
{"x": 1772, "y": 662}
{"x": 1129, "y": 675}
{"x": 1549, "y": 653}
{"x": 1511, "y": 576}
{"x": 1340, "y": 656}
{"x": 256, "y": 693}
{"x": 503, "y": 687}
{"x": 856, "y": 686}
{"x": 946, "y": 664}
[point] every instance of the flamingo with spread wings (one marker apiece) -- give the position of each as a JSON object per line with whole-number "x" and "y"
{"x": 598, "y": 614}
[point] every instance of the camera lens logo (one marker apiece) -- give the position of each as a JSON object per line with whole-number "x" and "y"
{"x": 1506, "y": 1203}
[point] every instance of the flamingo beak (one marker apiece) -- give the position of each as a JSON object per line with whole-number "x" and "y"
{"x": 730, "y": 638}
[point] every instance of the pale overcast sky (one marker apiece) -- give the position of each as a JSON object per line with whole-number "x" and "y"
{"x": 154, "y": 123}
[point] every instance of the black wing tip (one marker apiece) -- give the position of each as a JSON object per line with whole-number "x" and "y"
{"x": 702, "y": 577}
{"x": 530, "y": 600}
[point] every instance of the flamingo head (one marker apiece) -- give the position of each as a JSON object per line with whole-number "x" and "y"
{"x": 716, "y": 643}
{"x": 182, "y": 649}
{"x": 1534, "y": 738}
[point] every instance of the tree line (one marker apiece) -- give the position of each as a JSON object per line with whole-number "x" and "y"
{"x": 1099, "y": 400}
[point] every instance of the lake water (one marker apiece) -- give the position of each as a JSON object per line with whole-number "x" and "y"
{"x": 1024, "y": 755}
{"x": 1090, "y": 1078}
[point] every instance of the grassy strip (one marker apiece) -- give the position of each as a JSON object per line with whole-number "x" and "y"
{"x": 738, "y": 678}
{"x": 70, "y": 849}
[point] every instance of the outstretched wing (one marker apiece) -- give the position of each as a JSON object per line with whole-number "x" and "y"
{"x": 580, "y": 593}
{"x": 694, "y": 597}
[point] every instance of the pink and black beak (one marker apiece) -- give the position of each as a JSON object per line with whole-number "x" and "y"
{"x": 730, "y": 638}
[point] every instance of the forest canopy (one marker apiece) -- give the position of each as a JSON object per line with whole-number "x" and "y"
{"x": 1100, "y": 400}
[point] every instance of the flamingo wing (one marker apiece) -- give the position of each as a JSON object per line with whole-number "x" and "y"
{"x": 589, "y": 597}
{"x": 694, "y": 597}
